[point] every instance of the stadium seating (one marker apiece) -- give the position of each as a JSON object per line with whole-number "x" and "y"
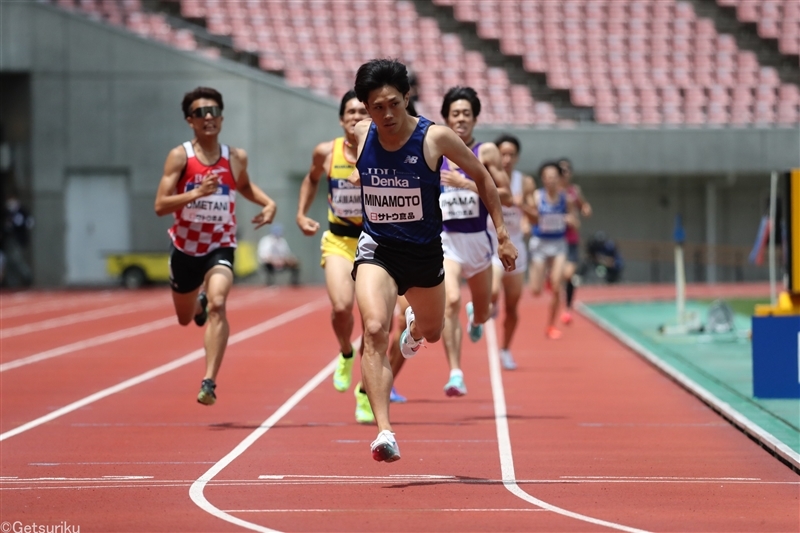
{"x": 642, "y": 61}
{"x": 635, "y": 62}
{"x": 775, "y": 19}
{"x": 129, "y": 13}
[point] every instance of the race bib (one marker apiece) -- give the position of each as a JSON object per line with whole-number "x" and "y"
{"x": 212, "y": 209}
{"x": 513, "y": 218}
{"x": 459, "y": 204}
{"x": 391, "y": 198}
{"x": 552, "y": 223}
{"x": 345, "y": 198}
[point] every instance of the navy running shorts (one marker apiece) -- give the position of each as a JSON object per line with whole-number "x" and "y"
{"x": 409, "y": 265}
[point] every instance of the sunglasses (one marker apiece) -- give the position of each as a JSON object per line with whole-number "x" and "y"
{"x": 201, "y": 112}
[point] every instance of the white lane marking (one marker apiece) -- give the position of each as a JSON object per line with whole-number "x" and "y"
{"x": 504, "y": 441}
{"x": 110, "y": 337}
{"x": 89, "y": 343}
{"x": 744, "y": 424}
{"x": 86, "y": 316}
{"x": 383, "y": 510}
{"x": 390, "y": 478}
{"x": 127, "y": 463}
{"x": 196, "y": 490}
{"x": 168, "y": 367}
{"x": 57, "y": 301}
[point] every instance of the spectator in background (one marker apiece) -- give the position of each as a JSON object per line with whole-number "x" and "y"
{"x": 605, "y": 258}
{"x": 17, "y": 224}
{"x": 274, "y": 253}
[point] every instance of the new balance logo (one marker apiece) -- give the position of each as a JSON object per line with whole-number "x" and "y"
{"x": 411, "y": 159}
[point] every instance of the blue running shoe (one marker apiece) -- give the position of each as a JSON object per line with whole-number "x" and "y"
{"x": 395, "y": 397}
{"x": 455, "y": 387}
{"x": 475, "y": 332}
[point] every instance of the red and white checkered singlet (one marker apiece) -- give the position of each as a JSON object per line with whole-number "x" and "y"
{"x": 209, "y": 222}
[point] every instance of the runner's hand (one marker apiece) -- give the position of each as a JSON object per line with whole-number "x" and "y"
{"x": 266, "y": 215}
{"x": 307, "y": 225}
{"x": 209, "y": 184}
{"x": 508, "y": 255}
{"x": 451, "y": 178}
{"x": 355, "y": 178}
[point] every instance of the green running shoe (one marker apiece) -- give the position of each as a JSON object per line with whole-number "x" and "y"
{"x": 343, "y": 375}
{"x": 363, "y": 408}
{"x": 207, "y": 396}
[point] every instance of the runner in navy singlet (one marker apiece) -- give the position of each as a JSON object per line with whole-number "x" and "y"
{"x": 399, "y": 251}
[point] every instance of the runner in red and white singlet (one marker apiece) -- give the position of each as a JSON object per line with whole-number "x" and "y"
{"x": 199, "y": 186}
{"x": 209, "y": 222}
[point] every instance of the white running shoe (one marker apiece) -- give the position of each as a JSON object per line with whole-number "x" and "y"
{"x": 385, "y": 448}
{"x": 409, "y": 346}
{"x": 507, "y": 361}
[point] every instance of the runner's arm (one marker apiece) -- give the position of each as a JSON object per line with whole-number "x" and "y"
{"x": 490, "y": 157}
{"x": 167, "y": 201}
{"x": 528, "y": 200}
{"x": 309, "y": 186}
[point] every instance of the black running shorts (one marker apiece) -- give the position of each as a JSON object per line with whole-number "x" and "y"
{"x": 187, "y": 272}
{"x": 409, "y": 265}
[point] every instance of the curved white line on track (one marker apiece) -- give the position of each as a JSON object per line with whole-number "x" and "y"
{"x": 196, "y": 490}
{"x": 504, "y": 442}
{"x": 163, "y": 369}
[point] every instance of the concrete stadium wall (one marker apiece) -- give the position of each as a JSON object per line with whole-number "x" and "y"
{"x": 104, "y": 100}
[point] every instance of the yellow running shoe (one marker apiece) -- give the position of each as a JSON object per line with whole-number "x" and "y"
{"x": 343, "y": 375}
{"x": 363, "y": 408}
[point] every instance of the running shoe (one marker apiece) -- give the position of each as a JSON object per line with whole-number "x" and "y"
{"x": 363, "y": 408}
{"x": 201, "y": 317}
{"x": 385, "y": 448}
{"x": 455, "y": 386}
{"x": 207, "y": 396}
{"x": 507, "y": 361}
{"x": 396, "y": 397}
{"x": 408, "y": 346}
{"x": 553, "y": 333}
{"x": 566, "y": 318}
{"x": 343, "y": 375}
{"x": 475, "y": 332}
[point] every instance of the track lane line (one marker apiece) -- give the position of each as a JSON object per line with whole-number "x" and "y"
{"x": 253, "y": 331}
{"x": 766, "y": 439}
{"x": 197, "y": 488}
{"x": 111, "y": 337}
{"x": 76, "y": 318}
{"x": 504, "y": 442}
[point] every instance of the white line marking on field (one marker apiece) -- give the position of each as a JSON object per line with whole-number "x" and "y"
{"x": 726, "y": 410}
{"x": 168, "y": 367}
{"x": 86, "y": 316}
{"x": 196, "y": 490}
{"x": 89, "y": 343}
{"x": 504, "y": 441}
{"x": 112, "y": 337}
{"x": 382, "y": 510}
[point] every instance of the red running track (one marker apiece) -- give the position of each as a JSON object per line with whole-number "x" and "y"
{"x": 596, "y": 440}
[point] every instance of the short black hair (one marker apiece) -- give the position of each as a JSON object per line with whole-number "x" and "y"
{"x": 507, "y": 138}
{"x": 564, "y": 160}
{"x": 461, "y": 93}
{"x": 349, "y": 95}
{"x": 377, "y": 73}
{"x": 198, "y": 93}
{"x": 553, "y": 164}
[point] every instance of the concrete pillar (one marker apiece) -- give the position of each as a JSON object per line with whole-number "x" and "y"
{"x": 711, "y": 231}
